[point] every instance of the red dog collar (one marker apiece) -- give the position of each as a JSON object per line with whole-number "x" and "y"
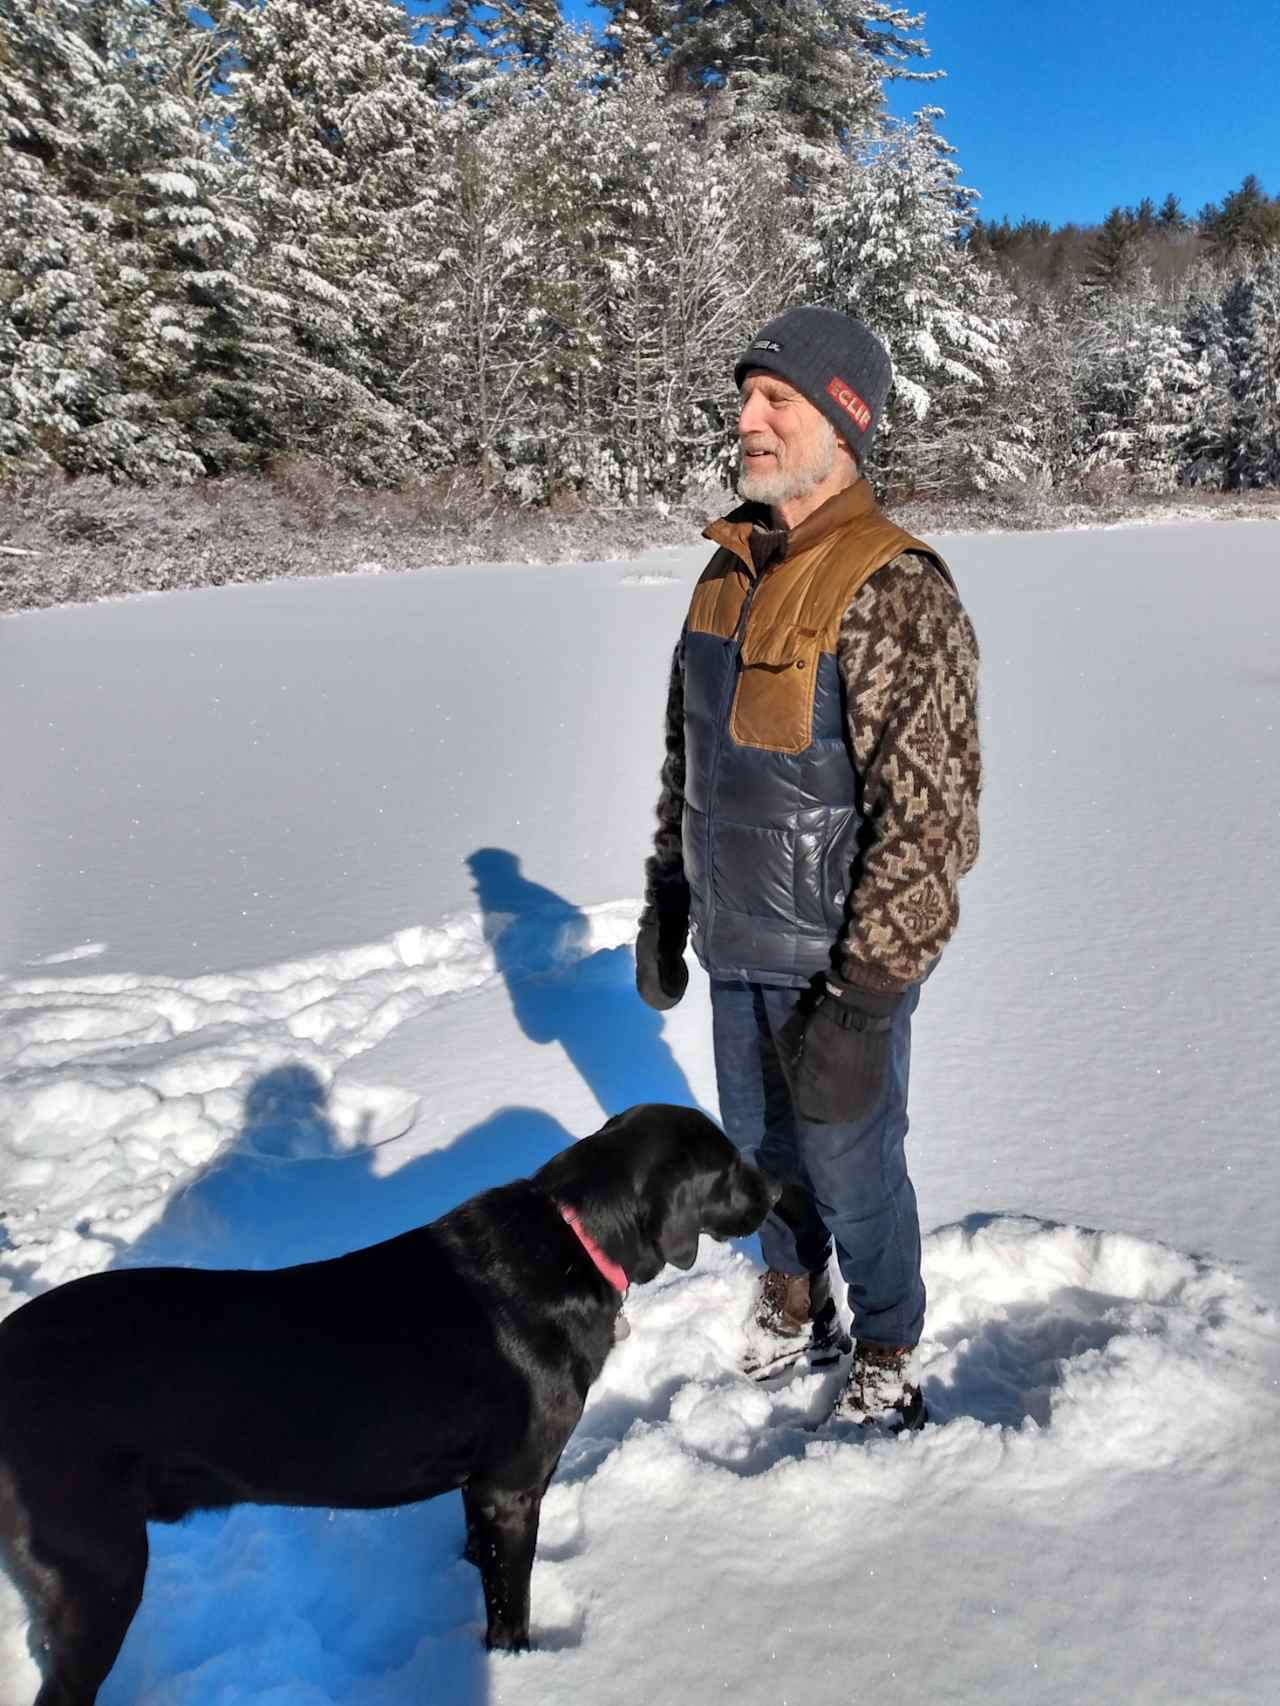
{"x": 611, "y": 1271}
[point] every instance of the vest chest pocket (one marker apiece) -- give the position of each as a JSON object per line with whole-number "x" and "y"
{"x": 773, "y": 702}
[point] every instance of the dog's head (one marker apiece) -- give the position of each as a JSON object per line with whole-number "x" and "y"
{"x": 652, "y": 1180}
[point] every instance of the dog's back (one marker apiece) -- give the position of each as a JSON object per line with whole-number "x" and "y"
{"x": 457, "y": 1355}
{"x": 206, "y": 1387}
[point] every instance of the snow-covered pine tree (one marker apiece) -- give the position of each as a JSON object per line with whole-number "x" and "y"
{"x": 60, "y": 398}
{"x": 195, "y": 327}
{"x": 564, "y": 157}
{"x": 1251, "y": 328}
{"x": 1142, "y": 393}
{"x": 523, "y": 35}
{"x": 346, "y": 155}
{"x": 459, "y": 34}
{"x": 120, "y": 250}
{"x": 728, "y": 251}
{"x": 1050, "y": 359}
{"x": 657, "y": 250}
{"x": 890, "y": 227}
{"x": 817, "y": 67}
{"x": 480, "y": 330}
{"x": 1205, "y": 333}
{"x": 696, "y": 254}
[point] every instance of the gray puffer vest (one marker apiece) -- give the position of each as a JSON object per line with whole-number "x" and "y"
{"x": 771, "y": 827}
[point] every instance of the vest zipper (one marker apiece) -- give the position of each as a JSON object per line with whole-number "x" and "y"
{"x": 722, "y": 731}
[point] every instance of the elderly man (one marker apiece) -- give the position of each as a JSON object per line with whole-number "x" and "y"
{"x": 818, "y": 808}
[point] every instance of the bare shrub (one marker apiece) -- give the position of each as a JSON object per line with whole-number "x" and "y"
{"x": 311, "y": 490}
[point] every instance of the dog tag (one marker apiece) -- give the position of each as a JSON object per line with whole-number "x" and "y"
{"x": 621, "y": 1328}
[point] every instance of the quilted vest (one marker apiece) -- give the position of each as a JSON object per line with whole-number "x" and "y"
{"x": 772, "y": 824}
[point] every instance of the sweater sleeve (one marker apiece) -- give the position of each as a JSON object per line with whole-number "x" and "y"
{"x": 664, "y": 869}
{"x": 909, "y": 663}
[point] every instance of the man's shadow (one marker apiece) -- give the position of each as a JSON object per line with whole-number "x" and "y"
{"x": 586, "y": 1002}
{"x": 290, "y": 1189}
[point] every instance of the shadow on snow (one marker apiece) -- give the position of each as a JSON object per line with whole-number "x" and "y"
{"x": 267, "y": 1599}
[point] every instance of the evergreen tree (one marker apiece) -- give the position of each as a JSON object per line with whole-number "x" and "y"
{"x": 1143, "y": 392}
{"x": 60, "y": 393}
{"x": 1251, "y": 327}
{"x": 700, "y": 255}
{"x": 644, "y": 246}
{"x": 483, "y": 327}
{"x": 482, "y": 236}
{"x": 1115, "y": 255}
{"x": 195, "y": 328}
{"x": 477, "y": 42}
{"x": 1050, "y": 362}
{"x": 1205, "y": 333}
{"x": 345, "y": 152}
{"x": 1247, "y": 225}
{"x": 891, "y": 231}
{"x": 1171, "y": 217}
{"x": 524, "y": 35}
{"x": 124, "y": 256}
{"x": 817, "y": 66}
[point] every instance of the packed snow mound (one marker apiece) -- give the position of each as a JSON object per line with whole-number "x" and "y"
{"x": 1062, "y": 1346}
{"x": 1059, "y": 1364}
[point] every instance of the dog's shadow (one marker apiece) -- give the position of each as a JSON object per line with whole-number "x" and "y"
{"x": 243, "y": 1602}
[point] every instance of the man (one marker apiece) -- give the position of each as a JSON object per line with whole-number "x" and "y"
{"x": 818, "y": 808}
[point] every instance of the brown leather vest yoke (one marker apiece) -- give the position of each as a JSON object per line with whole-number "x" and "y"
{"x": 796, "y": 608}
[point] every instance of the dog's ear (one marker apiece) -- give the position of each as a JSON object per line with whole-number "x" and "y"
{"x": 674, "y": 1221}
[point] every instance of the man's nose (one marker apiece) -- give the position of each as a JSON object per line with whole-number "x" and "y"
{"x": 750, "y": 416}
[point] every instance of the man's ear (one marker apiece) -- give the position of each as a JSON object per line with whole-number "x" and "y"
{"x": 675, "y": 1224}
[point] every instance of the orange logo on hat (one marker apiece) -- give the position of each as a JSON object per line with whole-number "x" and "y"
{"x": 850, "y": 402}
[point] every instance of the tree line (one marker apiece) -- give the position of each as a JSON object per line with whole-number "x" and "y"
{"x": 1241, "y": 229}
{"x": 481, "y": 238}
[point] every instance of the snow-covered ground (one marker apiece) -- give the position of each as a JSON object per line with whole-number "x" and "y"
{"x": 317, "y": 909}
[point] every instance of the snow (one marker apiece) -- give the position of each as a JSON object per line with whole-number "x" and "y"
{"x": 320, "y": 902}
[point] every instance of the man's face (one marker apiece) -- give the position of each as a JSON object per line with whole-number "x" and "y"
{"x": 785, "y": 447}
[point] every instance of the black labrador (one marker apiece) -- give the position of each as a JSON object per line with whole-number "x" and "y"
{"x": 457, "y": 1355}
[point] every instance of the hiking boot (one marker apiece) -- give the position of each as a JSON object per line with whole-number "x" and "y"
{"x": 796, "y": 1316}
{"x": 882, "y": 1390}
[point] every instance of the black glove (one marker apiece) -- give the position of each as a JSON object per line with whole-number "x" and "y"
{"x": 834, "y": 1050}
{"x": 661, "y": 974}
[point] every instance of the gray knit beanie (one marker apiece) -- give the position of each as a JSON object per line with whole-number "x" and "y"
{"x": 833, "y": 360}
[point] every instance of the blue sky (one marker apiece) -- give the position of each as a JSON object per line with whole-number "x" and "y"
{"x": 1062, "y": 110}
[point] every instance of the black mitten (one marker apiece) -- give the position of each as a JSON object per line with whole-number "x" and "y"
{"x": 661, "y": 974}
{"x": 834, "y": 1050}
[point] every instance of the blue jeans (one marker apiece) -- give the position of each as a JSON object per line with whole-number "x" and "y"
{"x": 853, "y": 1176}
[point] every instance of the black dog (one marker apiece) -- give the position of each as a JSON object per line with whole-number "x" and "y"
{"x": 458, "y": 1355}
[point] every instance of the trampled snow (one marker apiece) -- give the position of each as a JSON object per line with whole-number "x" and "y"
{"x": 319, "y": 903}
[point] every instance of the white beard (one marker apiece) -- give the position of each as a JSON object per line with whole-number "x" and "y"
{"x": 783, "y": 482}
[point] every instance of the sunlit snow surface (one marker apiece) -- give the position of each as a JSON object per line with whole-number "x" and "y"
{"x": 320, "y": 899}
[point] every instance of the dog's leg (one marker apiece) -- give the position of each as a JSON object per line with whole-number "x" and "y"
{"x": 90, "y": 1583}
{"x": 471, "y": 1547}
{"x": 502, "y": 1532}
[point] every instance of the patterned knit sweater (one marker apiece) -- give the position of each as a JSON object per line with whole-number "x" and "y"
{"x": 908, "y": 659}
